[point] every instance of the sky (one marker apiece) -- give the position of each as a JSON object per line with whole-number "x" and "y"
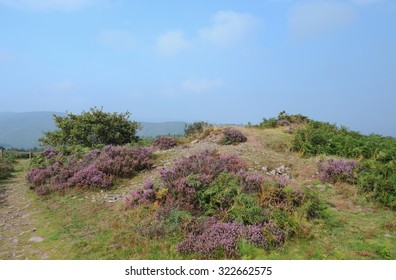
{"x": 222, "y": 61}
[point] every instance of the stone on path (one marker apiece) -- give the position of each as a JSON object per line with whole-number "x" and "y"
{"x": 36, "y": 239}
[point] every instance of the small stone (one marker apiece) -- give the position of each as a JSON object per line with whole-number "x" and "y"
{"x": 15, "y": 240}
{"x": 33, "y": 230}
{"x": 388, "y": 235}
{"x": 265, "y": 169}
{"x": 36, "y": 239}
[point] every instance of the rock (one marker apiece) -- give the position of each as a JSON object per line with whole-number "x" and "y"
{"x": 273, "y": 172}
{"x": 36, "y": 239}
{"x": 388, "y": 235}
{"x": 15, "y": 240}
{"x": 264, "y": 169}
{"x": 33, "y": 230}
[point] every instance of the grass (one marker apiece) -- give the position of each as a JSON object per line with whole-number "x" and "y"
{"x": 75, "y": 227}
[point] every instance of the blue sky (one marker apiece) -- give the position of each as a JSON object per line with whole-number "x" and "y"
{"x": 223, "y": 61}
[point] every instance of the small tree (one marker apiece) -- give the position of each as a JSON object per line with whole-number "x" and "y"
{"x": 92, "y": 128}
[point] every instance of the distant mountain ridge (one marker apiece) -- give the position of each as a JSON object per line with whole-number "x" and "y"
{"x": 22, "y": 130}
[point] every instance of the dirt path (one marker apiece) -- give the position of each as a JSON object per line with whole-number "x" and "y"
{"x": 18, "y": 238}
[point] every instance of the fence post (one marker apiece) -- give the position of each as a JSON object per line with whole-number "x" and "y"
{"x": 30, "y": 155}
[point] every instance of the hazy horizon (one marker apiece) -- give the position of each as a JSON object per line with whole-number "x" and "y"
{"x": 222, "y": 61}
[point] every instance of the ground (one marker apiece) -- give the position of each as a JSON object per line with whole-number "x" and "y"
{"x": 96, "y": 225}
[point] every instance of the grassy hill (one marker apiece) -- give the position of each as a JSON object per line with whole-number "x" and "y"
{"x": 84, "y": 223}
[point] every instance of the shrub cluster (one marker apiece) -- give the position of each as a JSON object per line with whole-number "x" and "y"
{"x": 283, "y": 119}
{"x": 96, "y": 169}
{"x": 376, "y": 154}
{"x": 165, "y": 142}
{"x": 338, "y": 170}
{"x": 233, "y": 136}
{"x": 196, "y": 128}
{"x": 220, "y": 204}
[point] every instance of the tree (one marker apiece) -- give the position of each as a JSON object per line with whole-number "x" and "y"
{"x": 92, "y": 128}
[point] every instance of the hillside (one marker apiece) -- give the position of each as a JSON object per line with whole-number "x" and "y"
{"x": 22, "y": 130}
{"x": 97, "y": 224}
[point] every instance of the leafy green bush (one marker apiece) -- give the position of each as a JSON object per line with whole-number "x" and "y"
{"x": 6, "y": 168}
{"x": 92, "y": 128}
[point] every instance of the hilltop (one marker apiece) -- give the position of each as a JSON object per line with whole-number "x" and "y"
{"x": 96, "y": 224}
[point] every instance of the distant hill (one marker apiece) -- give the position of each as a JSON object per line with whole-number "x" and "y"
{"x": 22, "y": 130}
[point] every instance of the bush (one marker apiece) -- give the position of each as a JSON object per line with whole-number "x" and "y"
{"x": 196, "y": 128}
{"x": 95, "y": 169}
{"x": 233, "y": 136}
{"x": 283, "y": 119}
{"x": 165, "y": 142}
{"x": 338, "y": 170}
{"x": 6, "y": 168}
{"x": 92, "y": 128}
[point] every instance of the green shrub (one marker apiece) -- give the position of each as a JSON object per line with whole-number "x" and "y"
{"x": 196, "y": 128}
{"x": 6, "y": 168}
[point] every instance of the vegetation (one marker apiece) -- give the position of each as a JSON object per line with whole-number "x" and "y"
{"x": 92, "y": 128}
{"x": 233, "y": 136}
{"x": 165, "y": 142}
{"x": 283, "y": 119}
{"x": 376, "y": 154}
{"x": 6, "y": 167}
{"x": 94, "y": 169}
{"x": 224, "y": 205}
{"x": 196, "y": 128}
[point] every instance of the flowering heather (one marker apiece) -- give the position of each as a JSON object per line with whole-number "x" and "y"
{"x": 250, "y": 182}
{"x": 205, "y": 167}
{"x": 338, "y": 170}
{"x": 90, "y": 177}
{"x": 232, "y": 136}
{"x": 141, "y": 196}
{"x": 283, "y": 122}
{"x": 215, "y": 236}
{"x": 95, "y": 168}
{"x": 122, "y": 161}
{"x": 165, "y": 142}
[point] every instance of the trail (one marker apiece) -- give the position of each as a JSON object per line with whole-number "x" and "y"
{"x": 18, "y": 216}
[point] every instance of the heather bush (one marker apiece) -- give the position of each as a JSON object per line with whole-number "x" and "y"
{"x": 283, "y": 119}
{"x": 251, "y": 181}
{"x": 165, "y": 142}
{"x": 141, "y": 196}
{"x": 6, "y": 168}
{"x": 233, "y": 136}
{"x": 122, "y": 161}
{"x": 338, "y": 170}
{"x": 94, "y": 169}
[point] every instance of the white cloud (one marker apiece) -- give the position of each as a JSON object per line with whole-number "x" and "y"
{"x": 201, "y": 85}
{"x": 171, "y": 43}
{"x": 50, "y": 5}
{"x": 117, "y": 39}
{"x": 228, "y": 28}
{"x": 316, "y": 18}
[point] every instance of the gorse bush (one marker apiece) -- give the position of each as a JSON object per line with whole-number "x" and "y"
{"x": 223, "y": 205}
{"x": 95, "y": 169}
{"x": 165, "y": 142}
{"x": 376, "y": 155}
{"x": 233, "y": 136}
